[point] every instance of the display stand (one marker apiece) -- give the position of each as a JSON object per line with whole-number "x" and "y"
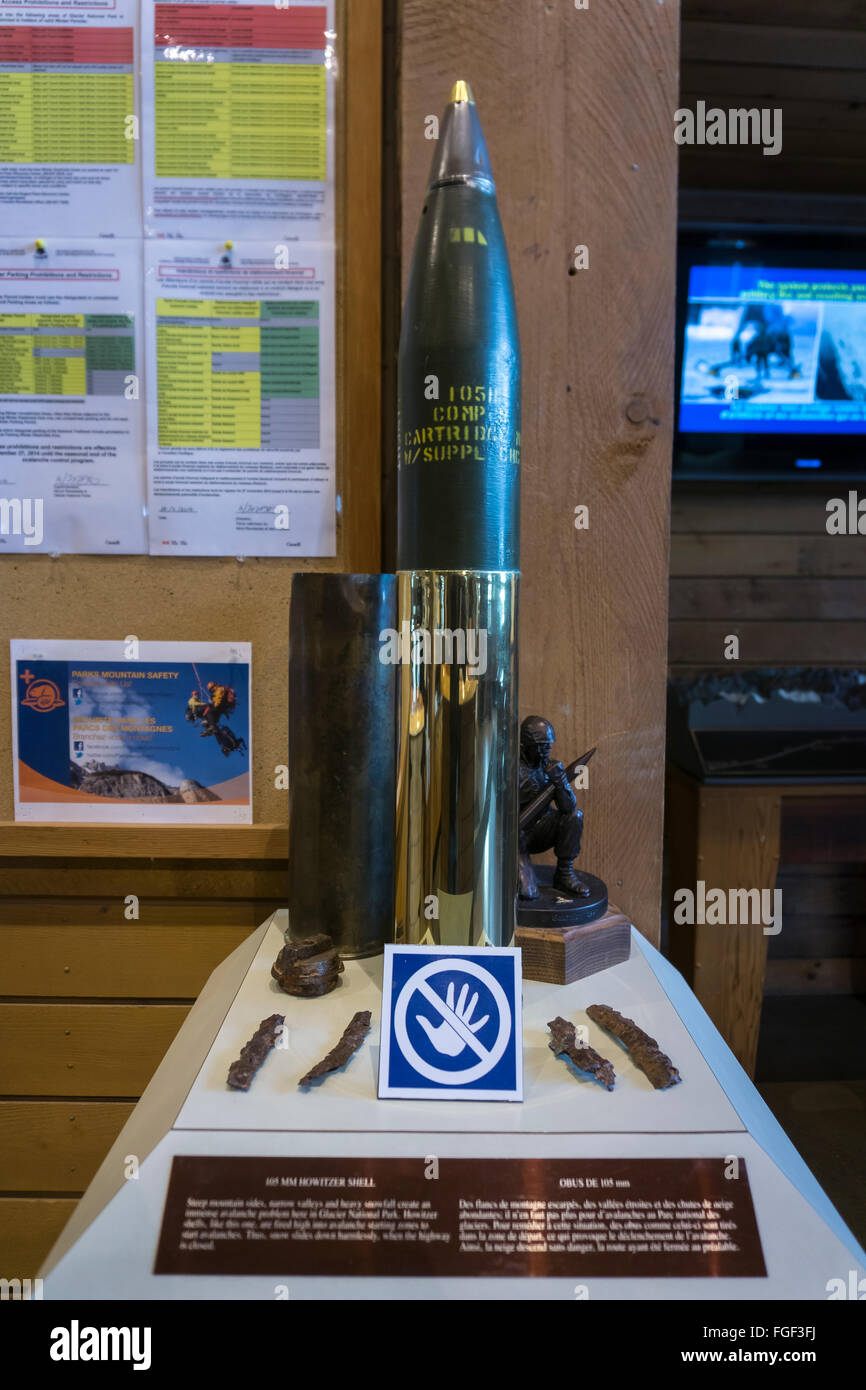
{"x": 570, "y": 1137}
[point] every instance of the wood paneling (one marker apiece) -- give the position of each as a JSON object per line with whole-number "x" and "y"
{"x": 751, "y": 43}
{"x": 50, "y": 1049}
{"x": 744, "y": 167}
{"x": 809, "y": 61}
{"x": 758, "y": 509}
{"x": 820, "y": 555}
{"x": 577, "y": 110}
{"x": 790, "y": 643}
{"x": 716, "y": 207}
{"x": 56, "y": 1145}
{"x": 807, "y": 937}
{"x": 833, "y": 14}
{"x": 29, "y": 1227}
{"x": 245, "y": 914}
{"x": 761, "y": 564}
{"x": 772, "y": 85}
{"x": 763, "y": 600}
{"x": 163, "y": 879}
{"x": 824, "y": 830}
{"x": 132, "y": 961}
{"x": 825, "y": 975}
{"x": 840, "y": 891}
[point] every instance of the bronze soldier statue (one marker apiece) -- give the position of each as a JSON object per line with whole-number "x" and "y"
{"x": 557, "y": 823}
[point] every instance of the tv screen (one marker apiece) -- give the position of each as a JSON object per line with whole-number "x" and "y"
{"x": 771, "y": 360}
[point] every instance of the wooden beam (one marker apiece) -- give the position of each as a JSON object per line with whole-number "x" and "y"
{"x": 577, "y": 108}
{"x": 737, "y": 846}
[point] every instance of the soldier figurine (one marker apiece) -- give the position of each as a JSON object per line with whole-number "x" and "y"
{"x": 558, "y": 824}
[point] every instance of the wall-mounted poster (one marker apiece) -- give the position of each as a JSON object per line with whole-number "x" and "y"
{"x": 71, "y": 404}
{"x": 69, "y": 134}
{"x": 238, "y": 129}
{"x": 241, "y": 416}
{"x": 132, "y": 731}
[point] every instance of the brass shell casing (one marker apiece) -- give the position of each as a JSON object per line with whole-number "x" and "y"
{"x": 457, "y": 762}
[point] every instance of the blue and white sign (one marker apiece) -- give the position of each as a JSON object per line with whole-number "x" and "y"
{"x": 451, "y": 1024}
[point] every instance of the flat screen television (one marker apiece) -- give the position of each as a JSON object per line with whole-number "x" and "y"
{"x": 771, "y": 355}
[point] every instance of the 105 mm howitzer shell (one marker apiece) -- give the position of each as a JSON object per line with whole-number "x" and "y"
{"x": 458, "y": 556}
{"x": 459, "y": 370}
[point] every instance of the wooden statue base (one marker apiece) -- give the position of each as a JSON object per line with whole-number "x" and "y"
{"x": 560, "y": 955}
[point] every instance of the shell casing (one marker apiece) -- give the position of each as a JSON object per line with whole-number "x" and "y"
{"x": 342, "y": 703}
{"x": 456, "y": 830}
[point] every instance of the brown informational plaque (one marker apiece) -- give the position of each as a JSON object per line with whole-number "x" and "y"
{"x": 561, "y": 955}
{"x": 544, "y": 1218}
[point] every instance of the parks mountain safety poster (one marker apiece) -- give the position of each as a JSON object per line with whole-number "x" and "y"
{"x": 131, "y": 731}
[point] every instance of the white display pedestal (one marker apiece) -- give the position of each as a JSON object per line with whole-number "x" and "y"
{"x": 107, "y": 1250}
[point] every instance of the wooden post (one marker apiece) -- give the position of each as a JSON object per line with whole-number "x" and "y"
{"x": 578, "y": 110}
{"x": 732, "y": 841}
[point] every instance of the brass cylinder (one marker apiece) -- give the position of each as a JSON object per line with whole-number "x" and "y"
{"x": 456, "y": 831}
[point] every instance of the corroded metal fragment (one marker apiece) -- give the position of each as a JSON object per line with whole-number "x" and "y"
{"x": 356, "y": 1031}
{"x": 564, "y": 1043}
{"x": 645, "y": 1051}
{"x": 254, "y": 1052}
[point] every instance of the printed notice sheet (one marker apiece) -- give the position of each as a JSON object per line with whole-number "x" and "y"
{"x": 132, "y": 731}
{"x": 72, "y": 471}
{"x": 238, "y": 119}
{"x": 240, "y": 411}
{"x": 69, "y": 128}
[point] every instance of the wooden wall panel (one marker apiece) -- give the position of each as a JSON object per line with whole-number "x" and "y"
{"x": 807, "y": 60}
{"x": 51, "y": 1049}
{"x": 577, "y": 110}
{"x": 29, "y": 1227}
{"x": 833, "y": 14}
{"x": 163, "y": 879}
{"x": 128, "y": 961}
{"x": 56, "y": 1145}
{"x": 759, "y": 563}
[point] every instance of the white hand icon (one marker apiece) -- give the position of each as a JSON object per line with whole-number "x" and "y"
{"x": 444, "y": 1038}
